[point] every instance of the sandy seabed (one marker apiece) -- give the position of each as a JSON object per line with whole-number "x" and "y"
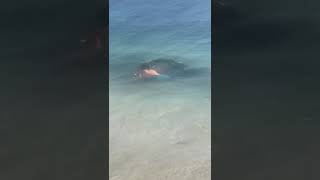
{"x": 160, "y": 131}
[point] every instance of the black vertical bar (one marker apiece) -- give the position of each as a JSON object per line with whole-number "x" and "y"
{"x": 54, "y": 92}
{"x": 266, "y": 90}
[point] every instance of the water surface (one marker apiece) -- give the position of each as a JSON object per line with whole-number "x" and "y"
{"x": 159, "y": 130}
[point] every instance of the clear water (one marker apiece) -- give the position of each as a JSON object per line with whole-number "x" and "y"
{"x": 159, "y": 130}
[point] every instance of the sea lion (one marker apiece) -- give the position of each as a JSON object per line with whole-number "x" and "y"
{"x": 158, "y": 67}
{"x": 165, "y": 69}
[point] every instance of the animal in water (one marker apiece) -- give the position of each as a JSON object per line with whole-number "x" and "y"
{"x": 166, "y": 69}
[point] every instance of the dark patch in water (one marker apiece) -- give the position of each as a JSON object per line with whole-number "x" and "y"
{"x": 168, "y": 69}
{"x": 182, "y": 142}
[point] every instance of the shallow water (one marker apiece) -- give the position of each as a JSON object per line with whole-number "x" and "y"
{"x": 159, "y": 130}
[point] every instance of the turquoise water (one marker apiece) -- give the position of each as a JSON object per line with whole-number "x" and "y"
{"x": 161, "y": 129}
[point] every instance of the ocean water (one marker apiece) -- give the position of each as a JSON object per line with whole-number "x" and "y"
{"x": 159, "y": 130}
